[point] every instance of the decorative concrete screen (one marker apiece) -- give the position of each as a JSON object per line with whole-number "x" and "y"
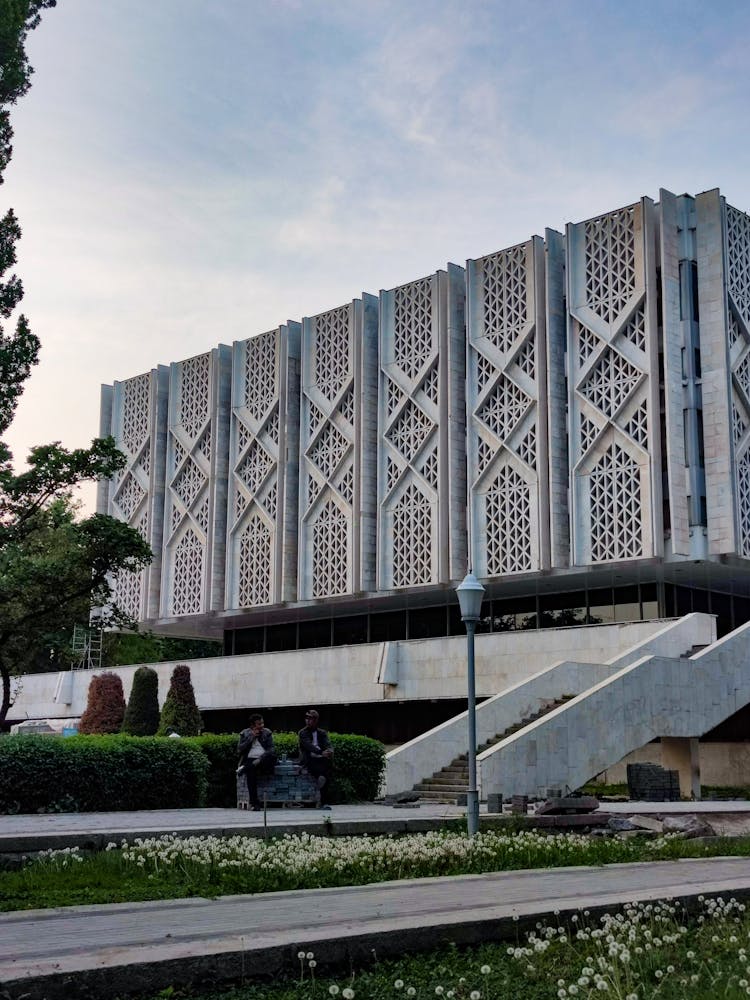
{"x": 723, "y": 238}
{"x": 134, "y": 412}
{"x": 613, "y": 394}
{"x": 507, "y": 405}
{"x": 422, "y": 432}
{"x": 195, "y": 508}
{"x": 338, "y": 449}
{"x": 264, "y": 475}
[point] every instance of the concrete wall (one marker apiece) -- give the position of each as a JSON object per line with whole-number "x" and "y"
{"x": 419, "y": 668}
{"x": 720, "y": 763}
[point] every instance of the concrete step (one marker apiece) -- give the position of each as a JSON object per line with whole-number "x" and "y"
{"x": 456, "y": 774}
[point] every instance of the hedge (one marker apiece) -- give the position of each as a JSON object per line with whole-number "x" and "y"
{"x": 103, "y": 773}
{"x": 359, "y": 765}
{"x": 99, "y": 773}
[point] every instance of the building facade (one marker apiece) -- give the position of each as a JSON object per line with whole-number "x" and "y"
{"x": 570, "y": 417}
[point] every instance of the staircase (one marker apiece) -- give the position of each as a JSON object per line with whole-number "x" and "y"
{"x": 447, "y": 784}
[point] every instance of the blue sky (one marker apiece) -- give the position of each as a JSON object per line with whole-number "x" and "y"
{"x": 190, "y": 172}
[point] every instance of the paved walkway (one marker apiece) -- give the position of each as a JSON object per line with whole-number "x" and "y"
{"x": 19, "y": 834}
{"x": 51, "y": 954}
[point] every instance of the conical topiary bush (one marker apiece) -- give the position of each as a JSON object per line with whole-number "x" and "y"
{"x": 180, "y": 712}
{"x": 142, "y": 713}
{"x": 105, "y": 707}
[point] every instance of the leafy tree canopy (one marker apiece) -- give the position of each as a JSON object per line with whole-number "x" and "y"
{"x": 53, "y": 568}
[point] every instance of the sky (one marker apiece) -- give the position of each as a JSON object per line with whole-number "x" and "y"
{"x": 188, "y": 173}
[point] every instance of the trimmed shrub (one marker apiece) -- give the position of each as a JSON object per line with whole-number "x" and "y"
{"x": 100, "y": 773}
{"x": 105, "y": 707}
{"x": 180, "y": 712}
{"x": 142, "y": 713}
{"x": 359, "y": 764}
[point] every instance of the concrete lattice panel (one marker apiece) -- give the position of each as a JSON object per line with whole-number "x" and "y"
{"x": 338, "y": 442}
{"x": 263, "y": 470}
{"x": 613, "y": 387}
{"x": 195, "y": 503}
{"x": 507, "y": 411}
{"x": 137, "y": 410}
{"x": 422, "y": 432}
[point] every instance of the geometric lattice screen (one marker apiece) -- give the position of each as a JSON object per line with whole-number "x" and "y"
{"x": 262, "y": 469}
{"x": 611, "y": 362}
{"x": 506, "y": 401}
{"x": 337, "y": 444}
{"x": 194, "y": 512}
{"x": 136, "y": 493}
{"x": 421, "y": 480}
{"x": 738, "y": 345}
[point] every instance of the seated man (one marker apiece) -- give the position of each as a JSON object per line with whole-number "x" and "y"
{"x": 256, "y": 756}
{"x": 316, "y": 755}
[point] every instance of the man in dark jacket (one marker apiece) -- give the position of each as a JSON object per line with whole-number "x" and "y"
{"x": 256, "y": 756}
{"x": 316, "y": 755}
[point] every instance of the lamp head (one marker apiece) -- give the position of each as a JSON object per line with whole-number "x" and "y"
{"x": 470, "y": 593}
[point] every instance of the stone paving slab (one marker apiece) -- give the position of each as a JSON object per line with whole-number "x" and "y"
{"x": 129, "y": 947}
{"x": 30, "y": 832}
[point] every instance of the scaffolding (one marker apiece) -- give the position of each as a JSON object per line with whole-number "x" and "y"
{"x": 87, "y": 648}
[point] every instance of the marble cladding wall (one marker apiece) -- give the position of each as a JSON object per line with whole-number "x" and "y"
{"x": 508, "y": 416}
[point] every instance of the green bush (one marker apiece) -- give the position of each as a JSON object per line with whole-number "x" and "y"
{"x": 100, "y": 773}
{"x": 359, "y": 763}
{"x": 142, "y": 713}
{"x": 180, "y": 713}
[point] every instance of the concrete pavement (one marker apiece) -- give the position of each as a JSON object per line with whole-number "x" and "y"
{"x": 29, "y": 832}
{"x": 130, "y": 947}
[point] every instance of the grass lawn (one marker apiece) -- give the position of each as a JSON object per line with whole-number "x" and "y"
{"x": 645, "y": 952}
{"x": 171, "y": 868}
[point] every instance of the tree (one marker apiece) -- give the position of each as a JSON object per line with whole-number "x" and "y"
{"x": 105, "y": 707}
{"x": 142, "y": 713}
{"x": 52, "y": 568}
{"x": 180, "y": 712}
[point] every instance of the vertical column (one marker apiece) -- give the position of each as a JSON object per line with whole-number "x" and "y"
{"x": 507, "y": 406}
{"x": 264, "y": 469}
{"x": 334, "y": 445}
{"x": 557, "y": 395}
{"x": 105, "y": 430}
{"x": 421, "y": 460}
{"x": 674, "y": 227}
{"x": 136, "y": 494}
{"x": 613, "y": 389}
{"x": 723, "y": 251}
{"x": 196, "y": 486}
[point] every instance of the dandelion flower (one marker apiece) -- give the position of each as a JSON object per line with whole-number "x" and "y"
{"x": 333, "y": 990}
{"x": 485, "y": 970}
{"x": 399, "y": 984}
{"x": 348, "y": 993}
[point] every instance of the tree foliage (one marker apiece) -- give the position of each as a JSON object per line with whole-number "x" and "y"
{"x": 180, "y": 712}
{"x": 105, "y": 708}
{"x": 142, "y": 713}
{"x": 53, "y": 568}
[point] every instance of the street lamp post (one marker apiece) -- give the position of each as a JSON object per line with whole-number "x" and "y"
{"x": 470, "y": 592}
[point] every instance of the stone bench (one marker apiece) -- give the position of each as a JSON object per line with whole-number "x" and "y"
{"x": 289, "y": 785}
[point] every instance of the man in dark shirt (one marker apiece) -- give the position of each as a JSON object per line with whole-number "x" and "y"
{"x": 316, "y": 755}
{"x": 256, "y": 756}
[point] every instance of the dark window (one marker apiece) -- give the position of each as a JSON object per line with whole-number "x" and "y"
{"x": 387, "y": 626}
{"x": 649, "y": 601}
{"x": 601, "y": 606}
{"x": 627, "y": 604}
{"x": 562, "y": 610}
{"x": 315, "y": 634}
{"x": 721, "y": 606}
{"x": 694, "y": 300}
{"x": 741, "y": 611}
{"x": 348, "y": 631}
{"x": 248, "y": 640}
{"x": 683, "y": 601}
{"x": 428, "y": 623}
{"x": 701, "y": 457}
{"x": 279, "y": 637}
